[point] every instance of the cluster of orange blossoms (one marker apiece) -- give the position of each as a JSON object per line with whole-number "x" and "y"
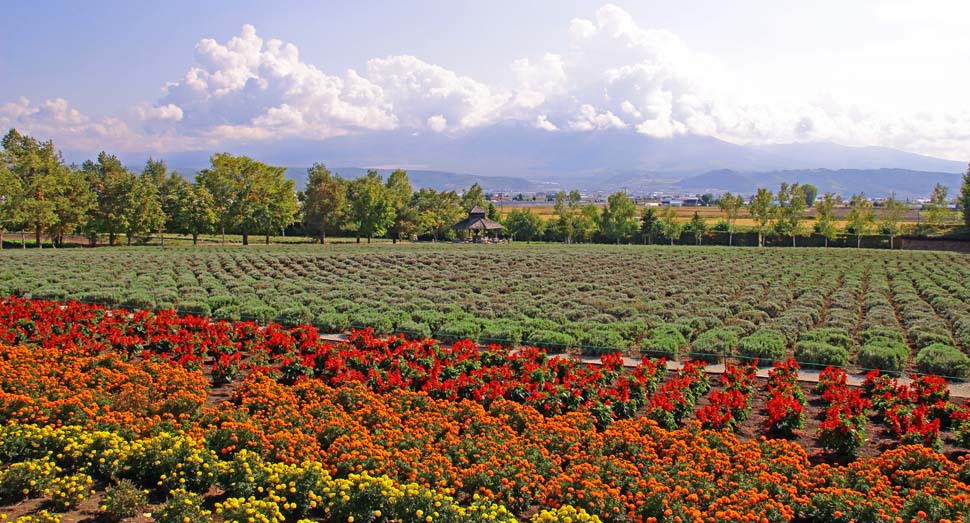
{"x": 632, "y": 470}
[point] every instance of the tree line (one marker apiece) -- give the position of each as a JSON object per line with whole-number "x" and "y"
{"x": 42, "y": 194}
{"x": 782, "y": 214}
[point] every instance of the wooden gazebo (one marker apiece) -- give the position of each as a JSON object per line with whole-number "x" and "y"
{"x": 477, "y": 222}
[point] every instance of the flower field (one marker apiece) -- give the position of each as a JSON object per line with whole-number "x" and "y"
{"x": 113, "y": 414}
{"x": 897, "y": 311}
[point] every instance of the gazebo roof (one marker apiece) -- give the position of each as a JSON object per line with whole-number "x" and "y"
{"x": 477, "y": 221}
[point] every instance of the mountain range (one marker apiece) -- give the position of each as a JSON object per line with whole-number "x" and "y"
{"x": 516, "y": 157}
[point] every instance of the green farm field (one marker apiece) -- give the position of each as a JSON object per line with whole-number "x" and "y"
{"x": 893, "y": 310}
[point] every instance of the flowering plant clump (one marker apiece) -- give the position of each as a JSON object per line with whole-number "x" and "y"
{"x": 123, "y": 500}
{"x": 786, "y": 401}
{"x": 843, "y": 430}
{"x": 26, "y": 479}
{"x": 732, "y": 404}
{"x": 676, "y": 398}
{"x": 395, "y": 430}
{"x": 66, "y": 492}
{"x": 182, "y": 507}
{"x": 914, "y": 413}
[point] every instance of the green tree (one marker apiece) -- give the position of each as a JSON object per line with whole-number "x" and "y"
{"x": 810, "y": 193}
{"x": 825, "y": 224}
{"x": 791, "y": 209}
{"x": 524, "y": 224}
{"x": 371, "y": 210}
{"x": 762, "y": 210}
{"x": 248, "y": 195}
{"x": 731, "y": 205}
{"x": 861, "y": 217}
{"x": 965, "y": 198}
{"x": 617, "y": 218}
{"x": 271, "y": 204}
{"x": 143, "y": 214}
{"x": 437, "y": 212}
{"x": 669, "y": 225}
{"x": 170, "y": 191}
{"x": 648, "y": 219}
{"x": 697, "y": 227}
{"x": 492, "y": 212}
{"x": 55, "y": 199}
{"x": 325, "y": 205}
{"x": 473, "y": 197}
{"x": 11, "y": 195}
{"x": 588, "y": 222}
{"x": 112, "y": 185}
{"x": 157, "y": 172}
{"x": 193, "y": 209}
{"x": 893, "y": 211}
{"x": 399, "y": 190}
{"x": 568, "y": 213}
{"x": 73, "y": 201}
{"x": 936, "y": 211}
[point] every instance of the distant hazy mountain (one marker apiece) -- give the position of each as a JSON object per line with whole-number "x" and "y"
{"x": 439, "y": 180}
{"x": 874, "y": 182}
{"x": 512, "y": 153}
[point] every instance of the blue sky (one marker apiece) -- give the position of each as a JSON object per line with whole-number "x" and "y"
{"x": 93, "y": 75}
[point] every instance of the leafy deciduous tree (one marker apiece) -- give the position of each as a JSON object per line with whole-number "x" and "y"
{"x": 893, "y": 211}
{"x": 860, "y": 217}
{"x": 524, "y": 224}
{"x": 936, "y": 211}
{"x": 405, "y": 220}
{"x": 371, "y": 210}
{"x": 11, "y": 195}
{"x": 965, "y": 197}
{"x": 325, "y": 205}
{"x": 648, "y": 221}
{"x": 811, "y": 192}
{"x": 791, "y": 208}
{"x": 669, "y": 225}
{"x": 731, "y": 205}
{"x": 193, "y": 211}
{"x": 617, "y": 218}
{"x": 762, "y": 210}
{"x": 825, "y": 224}
{"x": 698, "y": 227}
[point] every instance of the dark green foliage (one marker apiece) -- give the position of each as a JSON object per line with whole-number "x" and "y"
{"x": 818, "y": 354}
{"x": 414, "y": 330}
{"x": 197, "y": 308}
{"x": 332, "y": 322}
{"x": 766, "y": 345}
{"x": 870, "y": 335}
{"x": 294, "y": 315}
{"x": 714, "y": 345}
{"x": 884, "y": 354}
{"x": 830, "y": 336}
{"x": 553, "y": 340}
{"x": 943, "y": 360}
{"x": 502, "y": 332}
{"x": 602, "y": 341}
{"x": 458, "y": 330}
{"x": 664, "y": 341}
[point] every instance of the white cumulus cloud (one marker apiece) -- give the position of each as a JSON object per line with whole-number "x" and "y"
{"x": 613, "y": 74}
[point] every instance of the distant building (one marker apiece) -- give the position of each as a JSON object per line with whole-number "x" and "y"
{"x": 685, "y": 202}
